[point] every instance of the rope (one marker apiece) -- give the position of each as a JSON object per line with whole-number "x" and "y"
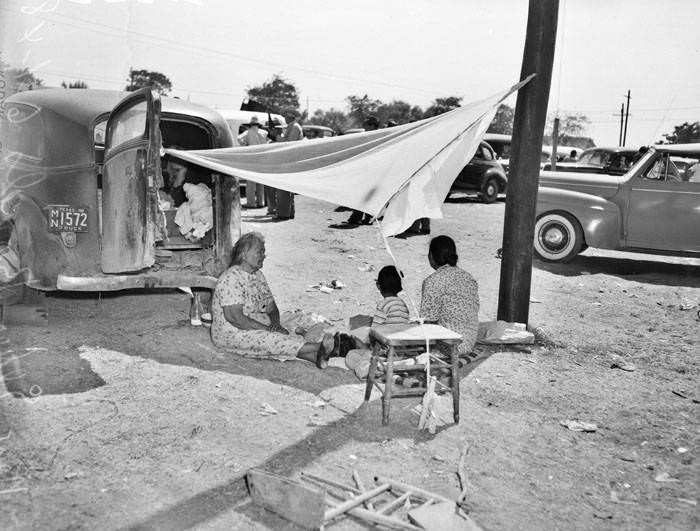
{"x": 410, "y": 299}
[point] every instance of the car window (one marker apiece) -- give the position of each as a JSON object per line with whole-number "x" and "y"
{"x": 486, "y": 153}
{"x": 130, "y": 124}
{"x": 99, "y": 134}
{"x": 663, "y": 169}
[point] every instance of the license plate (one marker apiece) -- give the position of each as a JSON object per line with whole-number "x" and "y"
{"x": 67, "y": 218}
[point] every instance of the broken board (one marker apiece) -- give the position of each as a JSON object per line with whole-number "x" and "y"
{"x": 303, "y": 505}
{"x": 442, "y": 517}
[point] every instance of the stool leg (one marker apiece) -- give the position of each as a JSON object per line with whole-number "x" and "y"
{"x": 455, "y": 384}
{"x": 386, "y": 397}
{"x": 372, "y": 374}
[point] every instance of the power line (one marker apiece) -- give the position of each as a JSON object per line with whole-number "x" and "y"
{"x": 189, "y": 48}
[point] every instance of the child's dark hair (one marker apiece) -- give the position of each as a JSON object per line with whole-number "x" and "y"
{"x": 389, "y": 280}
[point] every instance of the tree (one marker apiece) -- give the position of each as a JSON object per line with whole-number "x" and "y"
{"x": 277, "y": 95}
{"x": 570, "y": 126}
{"x": 686, "y": 133}
{"x": 397, "y": 110}
{"x": 158, "y": 82}
{"x": 442, "y": 105}
{"x": 21, "y": 79}
{"x": 74, "y": 84}
{"x": 503, "y": 121}
{"x": 361, "y": 107}
{"x": 336, "y": 120}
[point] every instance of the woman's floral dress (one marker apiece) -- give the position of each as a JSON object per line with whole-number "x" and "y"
{"x": 450, "y": 296}
{"x": 236, "y": 286}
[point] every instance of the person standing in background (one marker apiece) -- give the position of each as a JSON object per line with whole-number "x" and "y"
{"x": 370, "y": 124}
{"x": 254, "y": 136}
{"x": 285, "y": 200}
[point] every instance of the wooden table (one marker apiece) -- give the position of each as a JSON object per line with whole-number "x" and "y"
{"x": 391, "y": 343}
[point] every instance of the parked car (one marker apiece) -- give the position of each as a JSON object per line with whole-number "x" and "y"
{"x": 317, "y": 131}
{"x": 610, "y": 160}
{"x": 650, "y": 209}
{"x": 482, "y": 174}
{"x": 83, "y": 202}
{"x": 501, "y": 145}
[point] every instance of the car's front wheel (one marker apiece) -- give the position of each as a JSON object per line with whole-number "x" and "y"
{"x": 558, "y": 237}
{"x": 489, "y": 193}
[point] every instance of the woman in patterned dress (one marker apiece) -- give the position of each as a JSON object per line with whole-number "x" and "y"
{"x": 245, "y": 317}
{"x": 450, "y": 295}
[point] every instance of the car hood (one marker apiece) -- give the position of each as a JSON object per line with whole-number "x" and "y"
{"x": 601, "y": 185}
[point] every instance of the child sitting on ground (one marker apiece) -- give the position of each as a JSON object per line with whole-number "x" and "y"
{"x": 391, "y": 310}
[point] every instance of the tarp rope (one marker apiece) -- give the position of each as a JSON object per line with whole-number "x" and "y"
{"x": 427, "y": 417}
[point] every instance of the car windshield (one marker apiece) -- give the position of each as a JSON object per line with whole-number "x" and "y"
{"x": 594, "y": 158}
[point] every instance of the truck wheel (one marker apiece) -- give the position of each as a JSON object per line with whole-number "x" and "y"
{"x": 489, "y": 192}
{"x": 558, "y": 237}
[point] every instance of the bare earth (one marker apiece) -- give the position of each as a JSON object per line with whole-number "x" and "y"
{"x": 130, "y": 419}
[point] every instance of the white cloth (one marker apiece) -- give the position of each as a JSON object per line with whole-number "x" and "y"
{"x": 403, "y": 172}
{"x": 195, "y": 216}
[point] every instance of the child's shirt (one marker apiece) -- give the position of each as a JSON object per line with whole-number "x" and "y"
{"x": 391, "y": 310}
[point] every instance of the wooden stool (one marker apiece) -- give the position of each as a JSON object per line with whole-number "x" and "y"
{"x": 404, "y": 341}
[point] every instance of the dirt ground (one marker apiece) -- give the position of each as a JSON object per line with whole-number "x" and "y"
{"x": 119, "y": 415}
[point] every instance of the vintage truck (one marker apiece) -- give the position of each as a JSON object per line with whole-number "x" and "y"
{"x": 80, "y": 185}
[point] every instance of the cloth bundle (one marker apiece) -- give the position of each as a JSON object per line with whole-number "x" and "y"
{"x": 195, "y": 216}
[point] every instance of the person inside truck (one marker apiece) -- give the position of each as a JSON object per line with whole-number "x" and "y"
{"x": 177, "y": 173}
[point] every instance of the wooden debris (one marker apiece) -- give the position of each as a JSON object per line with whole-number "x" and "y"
{"x": 442, "y": 517}
{"x": 290, "y": 499}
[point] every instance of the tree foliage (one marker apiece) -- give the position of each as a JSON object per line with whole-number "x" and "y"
{"x": 277, "y": 95}
{"x": 686, "y": 133}
{"x": 503, "y": 121}
{"x": 74, "y": 84}
{"x": 158, "y": 82}
{"x": 442, "y": 105}
{"x": 361, "y": 107}
{"x": 571, "y": 125}
{"x": 333, "y": 118}
{"x": 21, "y": 79}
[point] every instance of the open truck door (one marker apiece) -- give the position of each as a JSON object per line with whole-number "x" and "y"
{"x": 130, "y": 181}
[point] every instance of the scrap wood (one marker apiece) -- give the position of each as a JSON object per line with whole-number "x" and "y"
{"x": 290, "y": 499}
{"x": 354, "y": 502}
{"x": 442, "y": 517}
{"x": 461, "y": 474}
{"x": 358, "y": 512}
{"x": 360, "y": 485}
{"x": 416, "y": 491}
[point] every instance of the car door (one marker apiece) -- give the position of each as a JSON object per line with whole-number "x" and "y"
{"x": 664, "y": 211}
{"x": 129, "y": 184}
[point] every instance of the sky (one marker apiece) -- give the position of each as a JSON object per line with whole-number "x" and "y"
{"x": 410, "y": 50}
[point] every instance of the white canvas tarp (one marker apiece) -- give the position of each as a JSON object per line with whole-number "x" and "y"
{"x": 403, "y": 173}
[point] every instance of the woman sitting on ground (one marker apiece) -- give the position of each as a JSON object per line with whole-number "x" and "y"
{"x": 245, "y": 317}
{"x": 450, "y": 295}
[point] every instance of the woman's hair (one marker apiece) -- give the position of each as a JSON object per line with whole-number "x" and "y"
{"x": 244, "y": 243}
{"x": 389, "y": 280}
{"x": 443, "y": 251}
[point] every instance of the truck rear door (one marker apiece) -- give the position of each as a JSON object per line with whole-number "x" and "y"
{"x": 129, "y": 183}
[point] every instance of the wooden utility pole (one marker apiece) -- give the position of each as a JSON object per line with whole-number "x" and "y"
{"x": 526, "y": 153}
{"x": 622, "y": 122}
{"x": 555, "y": 144}
{"x": 627, "y": 117}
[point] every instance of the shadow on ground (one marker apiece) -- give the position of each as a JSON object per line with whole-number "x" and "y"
{"x": 645, "y": 271}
